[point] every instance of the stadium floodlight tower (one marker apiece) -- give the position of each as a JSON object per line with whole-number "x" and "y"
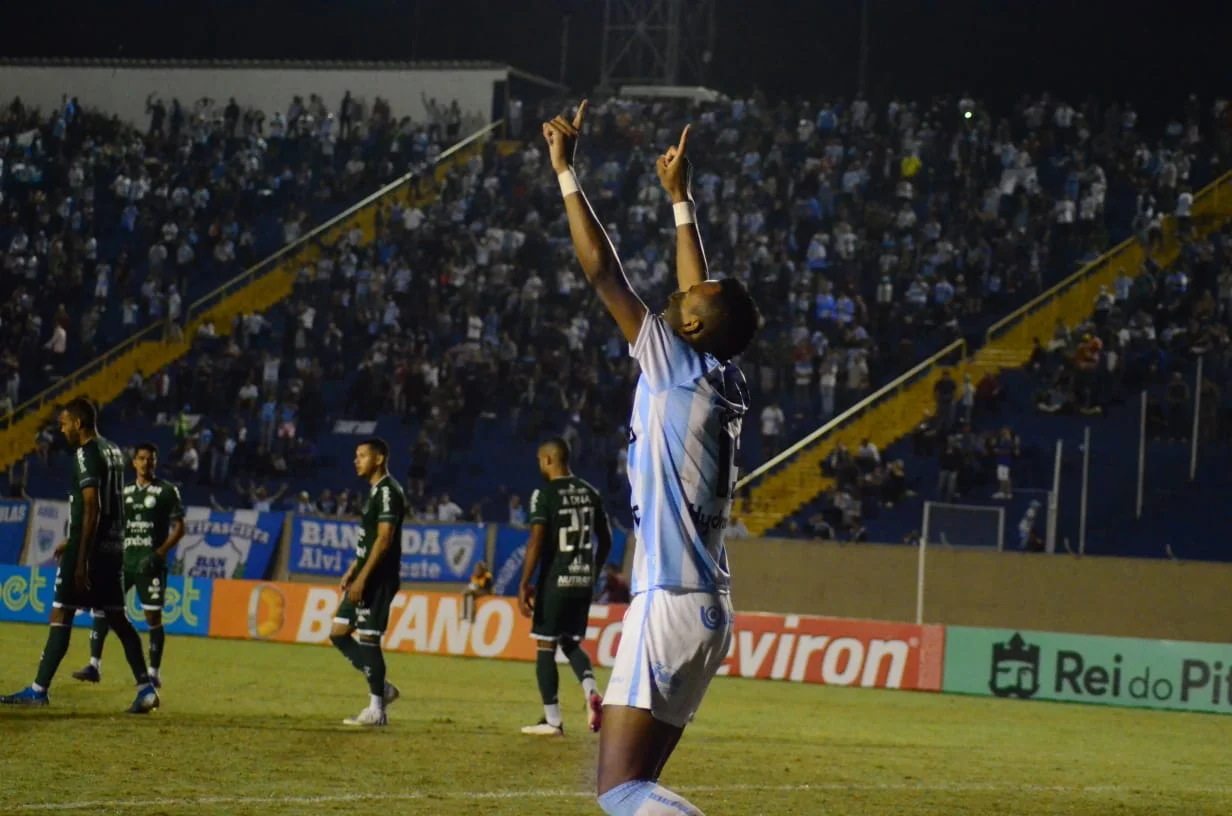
{"x": 656, "y": 42}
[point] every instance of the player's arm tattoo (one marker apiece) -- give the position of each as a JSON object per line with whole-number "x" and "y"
{"x": 173, "y": 538}
{"x": 534, "y": 548}
{"x": 602, "y": 266}
{"x": 91, "y": 511}
{"x": 603, "y": 533}
{"x": 384, "y": 540}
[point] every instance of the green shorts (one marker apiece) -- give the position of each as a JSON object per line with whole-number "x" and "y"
{"x": 106, "y": 589}
{"x": 147, "y": 573}
{"x": 560, "y": 615}
{"x": 371, "y": 615}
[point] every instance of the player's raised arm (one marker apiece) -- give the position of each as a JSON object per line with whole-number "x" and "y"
{"x": 676, "y": 175}
{"x": 594, "y": 249}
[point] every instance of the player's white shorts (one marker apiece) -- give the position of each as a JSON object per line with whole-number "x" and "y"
{"x": 671, "y": 645}
{"x": 1003, "y": 473}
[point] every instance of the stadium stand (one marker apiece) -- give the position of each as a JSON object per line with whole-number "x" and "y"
{"x": 874, "y": 237}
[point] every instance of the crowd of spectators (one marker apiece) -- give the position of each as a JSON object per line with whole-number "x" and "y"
{"x": 106, "y": 228}
{"x": 870, "y": 234}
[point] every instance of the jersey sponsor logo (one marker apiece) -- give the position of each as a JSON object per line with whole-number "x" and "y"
{"x": 704, "y": 520}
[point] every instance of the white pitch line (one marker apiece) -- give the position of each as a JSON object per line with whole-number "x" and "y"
{"x": 821, "y": 787}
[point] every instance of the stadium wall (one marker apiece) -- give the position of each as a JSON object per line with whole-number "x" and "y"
{"x": 122, "y": 87}
{"x": 1126, "y": 597}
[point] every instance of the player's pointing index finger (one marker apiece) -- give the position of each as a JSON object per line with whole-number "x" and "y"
{"x": 581, "y": 112}
{"x": 684, "y": 140}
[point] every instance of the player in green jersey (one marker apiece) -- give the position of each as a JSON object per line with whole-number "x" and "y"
{"x": 372, "y": 581}
{"x": 153, "y": 524}
{"x": 89, "y": 573}
{"x": 567, "y": 518}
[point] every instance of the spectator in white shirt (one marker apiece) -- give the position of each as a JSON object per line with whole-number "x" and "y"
{"x": 772, "y": 422}
{"x": 447, "y": 510}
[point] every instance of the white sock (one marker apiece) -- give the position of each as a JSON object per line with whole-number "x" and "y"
{"x": 551, "y": 713}
{"x": 589, "y": 687}
{"x": 97, "y": 662}
{"x": 376, "y": 702}
{"x": 153, "y": 672}
{"x": 37, "y": 688}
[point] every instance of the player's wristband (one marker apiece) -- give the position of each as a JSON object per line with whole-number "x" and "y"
{"x": 685, "y": 213}
{"x": 568, "y": 183}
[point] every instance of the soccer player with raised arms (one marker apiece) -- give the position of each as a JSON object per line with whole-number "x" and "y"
{"x": 687, "y": 411}
{"x": 569, "y": 539}
{"x": 90, "y": 572}
{"x": 372, "y": 581}
{"x": 153, "y": 525}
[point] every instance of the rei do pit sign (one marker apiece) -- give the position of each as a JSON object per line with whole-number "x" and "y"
{"x": 1169, "y": 674}
{"x": 797, "y": 648}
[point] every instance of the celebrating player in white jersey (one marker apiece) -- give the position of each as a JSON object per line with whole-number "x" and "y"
{"x": 686, "y": 422}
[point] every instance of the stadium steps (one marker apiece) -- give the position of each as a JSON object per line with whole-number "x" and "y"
{"x": 103, "y": 380}
{"x": 798, "y": 481}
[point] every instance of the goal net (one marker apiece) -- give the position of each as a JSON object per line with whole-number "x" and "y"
{"x": 963, "y": 525}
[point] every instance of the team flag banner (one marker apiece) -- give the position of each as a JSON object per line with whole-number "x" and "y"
{"x": 430, "y": 552}
{"x": 48, "y": 527}
{"x": 26, "y": 594}
{"x": 797, "y": 648}
{"x": 226, "y": 544}
{"x": 510, "y": 555}
{"x": 1089, "y": 669}
{"x": 13, "y": 517}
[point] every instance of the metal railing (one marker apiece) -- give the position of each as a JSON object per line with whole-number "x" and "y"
{"x": 1039, "y": 315}
{"x": 59, "y": 390}
{"x": 957, "y": 349}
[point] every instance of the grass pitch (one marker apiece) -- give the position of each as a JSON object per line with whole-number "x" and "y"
{"x": 256, "y": 728}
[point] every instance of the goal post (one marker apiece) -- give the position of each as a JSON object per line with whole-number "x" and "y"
{"x": 963, "y": 525}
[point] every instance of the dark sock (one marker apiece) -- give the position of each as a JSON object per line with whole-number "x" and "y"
{"x": 53, "y": 653}
{"x": 580, "y": 662}
{"x": 97, "y": 635}
{"x": 158, "y": 637}
{"x": 133, "y": 652}
{"x": 375, "y": 666}
{"x": 545, "y": 672}
{"x": 350, "y": 650}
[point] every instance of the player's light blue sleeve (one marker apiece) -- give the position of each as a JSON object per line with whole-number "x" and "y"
{"x": 666, "y": 360}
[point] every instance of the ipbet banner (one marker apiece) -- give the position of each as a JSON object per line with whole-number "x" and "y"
{"x": 26, "y": 594}
{"x": 1089, "y": 669}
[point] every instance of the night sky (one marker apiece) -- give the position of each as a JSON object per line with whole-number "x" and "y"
{"x": 997, "y": 49}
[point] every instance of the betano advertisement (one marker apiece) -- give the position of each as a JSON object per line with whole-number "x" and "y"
{"x": 1089, "y": 669}
{"x": 779, "y": 647}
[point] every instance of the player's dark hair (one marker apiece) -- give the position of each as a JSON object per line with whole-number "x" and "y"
{"x": 149, "y": 447}
{"x": 378, "y": 446}
{"x": 561, "y": 451}
{"x": 84, "y": 411}
{"x": 732, "y": 318}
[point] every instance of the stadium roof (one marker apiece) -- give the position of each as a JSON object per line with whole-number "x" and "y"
{"x": 275, "y": 65}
